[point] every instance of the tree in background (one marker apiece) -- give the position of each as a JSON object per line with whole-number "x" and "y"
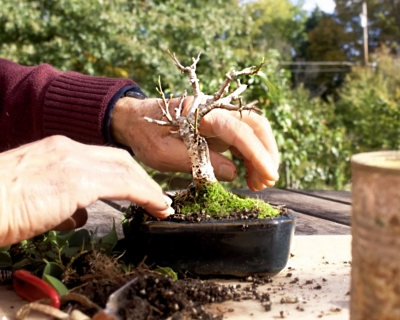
{"x": 128, "y": 38}
{"x": 383, "y": 24}
{"x": 276, "y": 24}
{"x": 369, "y": 107}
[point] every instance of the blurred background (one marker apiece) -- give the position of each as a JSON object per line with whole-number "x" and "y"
{"x": 330, "y": 86}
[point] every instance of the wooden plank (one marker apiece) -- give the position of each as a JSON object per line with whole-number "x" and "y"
{"x": 308, "y": 225}
{"x": 338, "y": 196}
{"x": 305, "y": 224}
{"x": 321, "y": 208}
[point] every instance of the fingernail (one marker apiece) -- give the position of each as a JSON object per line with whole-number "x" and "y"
{"x": 275, "y": 176}
{"x": 226, "y": 172}
{"x": 169, "y": 211}
{"x": 168, "y": 200}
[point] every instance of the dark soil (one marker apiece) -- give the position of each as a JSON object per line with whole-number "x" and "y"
{"x": 155, "y": 296}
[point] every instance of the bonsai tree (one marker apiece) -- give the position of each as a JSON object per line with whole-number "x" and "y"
{"x": 205, "y": 194}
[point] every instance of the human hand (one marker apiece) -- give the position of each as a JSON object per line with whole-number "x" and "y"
{"x": 48, "y": 183}
{"x": 248, "y": 136}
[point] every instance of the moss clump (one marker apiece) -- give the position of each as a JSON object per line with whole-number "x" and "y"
{"x": 215, "y": 201}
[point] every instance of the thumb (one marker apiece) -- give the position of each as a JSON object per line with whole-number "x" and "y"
{"x": 224, "y": 169}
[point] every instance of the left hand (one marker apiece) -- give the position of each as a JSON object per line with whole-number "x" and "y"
{"x": 248, "y": 136}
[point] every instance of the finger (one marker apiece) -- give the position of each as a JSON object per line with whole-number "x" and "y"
{"x": 238, "y": 134}
{"x": 224, "y": 169}
{"x": 217, "y": 145}
{"x": 262, "y": 129}
{"x": 125, "y": 179}
{"x": 164, "y": 213}
{"x": 258, "y": 182}
{"x": 77, "y": 220}
{"x": 254, "y": 180}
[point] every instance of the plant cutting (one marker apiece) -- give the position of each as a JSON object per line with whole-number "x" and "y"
{"x": 226, "y": 222}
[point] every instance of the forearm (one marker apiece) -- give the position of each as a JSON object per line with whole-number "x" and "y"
{"x": 40, "y": 101}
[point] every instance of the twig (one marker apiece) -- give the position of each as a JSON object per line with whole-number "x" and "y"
{"x": 194, "y": 81}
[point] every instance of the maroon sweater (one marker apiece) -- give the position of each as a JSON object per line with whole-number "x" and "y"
{"x": 36, "y": 102}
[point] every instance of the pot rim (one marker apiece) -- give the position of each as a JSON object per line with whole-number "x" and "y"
{"x": 372, "y": 161}
{"x": 206, "y": 223}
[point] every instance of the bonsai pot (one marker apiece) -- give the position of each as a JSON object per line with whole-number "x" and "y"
{"x": 215, "y": 247}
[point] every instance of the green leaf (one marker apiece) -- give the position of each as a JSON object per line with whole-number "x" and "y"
{"x": 56, "y": 284}
{"x": 265, "y": 80}
{"x": 53, "y": 269}
{"x": 5, "y": 260}
{"x": 79, "y": 238}
{"x": 109, "y": 241}
{"x": 6, "y": 248}
{"x": 78, "y": 241}
{"x": 167, "y": 271}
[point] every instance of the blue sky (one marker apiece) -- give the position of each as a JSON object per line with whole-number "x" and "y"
{"x": 325, "y": 5}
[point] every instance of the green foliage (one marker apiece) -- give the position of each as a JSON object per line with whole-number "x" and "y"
{"x": 369, "y": 108}
{"x": 51, "y": 253}
{"x": 129, "y": 38}
{"x": 276, "y": 24}
{"x": 51, "y": 274}
{"x": 310, "y": 146}
{"x": 215, "y": 201}
{"x": 167, "y": 271}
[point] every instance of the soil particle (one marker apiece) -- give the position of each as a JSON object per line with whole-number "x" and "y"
{"x": 155, "y": 296}
{"x": 295, "y": 280}
{"x": 267, "y": 306}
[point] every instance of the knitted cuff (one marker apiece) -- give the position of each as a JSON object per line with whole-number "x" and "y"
{"x": 75, "y": 106}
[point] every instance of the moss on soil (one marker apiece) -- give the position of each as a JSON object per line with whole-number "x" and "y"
{"x": 215, "y": 201}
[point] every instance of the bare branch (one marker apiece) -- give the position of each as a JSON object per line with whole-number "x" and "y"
{"x": 232, "y": 107}
{"x": 178, "y": 111}
{"x": 234, "y": 74}
{"x": 194, "y": 81}
{"x": 165, "y": 109}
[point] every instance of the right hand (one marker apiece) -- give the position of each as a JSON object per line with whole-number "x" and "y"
{"x": 248, "y": 136}
{"x": 48, "y": 183}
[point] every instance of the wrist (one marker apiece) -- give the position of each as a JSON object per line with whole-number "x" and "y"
{"x": 122, "y": 118}
{"x": 111, "y": 128}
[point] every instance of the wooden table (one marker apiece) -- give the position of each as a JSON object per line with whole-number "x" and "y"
{"x": 321, "y": 259}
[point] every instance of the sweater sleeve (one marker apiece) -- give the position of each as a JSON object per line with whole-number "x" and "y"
{"x": 36, "y": 102}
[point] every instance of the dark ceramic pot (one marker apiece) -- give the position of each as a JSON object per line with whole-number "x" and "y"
{"x": 216, "y": 247}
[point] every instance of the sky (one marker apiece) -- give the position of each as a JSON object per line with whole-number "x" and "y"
{"x": 325, "y": 5}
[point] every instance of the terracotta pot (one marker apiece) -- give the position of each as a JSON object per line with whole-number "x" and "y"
{"x": 216, "y": 247}
{"x": 375, "y": 275}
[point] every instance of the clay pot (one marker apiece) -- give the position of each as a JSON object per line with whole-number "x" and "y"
{"x": 216, "y": 247}
{"x": 375, "y": 275}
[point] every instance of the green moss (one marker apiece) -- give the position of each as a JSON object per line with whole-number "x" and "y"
{"x": 215, "y": 201}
